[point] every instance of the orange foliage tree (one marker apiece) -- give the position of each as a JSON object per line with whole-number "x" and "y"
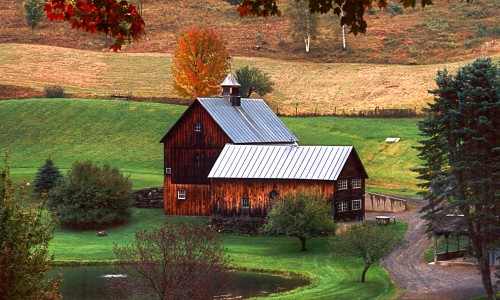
{"x": 199, "y": 63}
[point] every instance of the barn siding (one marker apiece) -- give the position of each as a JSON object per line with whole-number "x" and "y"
{"x": 191, "y": 155}
{"x": 197, "y": 202}
{"x": 227, "y": 194}
{"x": 352, "y": 169}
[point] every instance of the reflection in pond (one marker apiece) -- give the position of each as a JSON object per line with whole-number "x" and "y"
{"x": 90, "y": 282}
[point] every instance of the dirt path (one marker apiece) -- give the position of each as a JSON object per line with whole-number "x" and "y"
{"x": 419, "y": 279}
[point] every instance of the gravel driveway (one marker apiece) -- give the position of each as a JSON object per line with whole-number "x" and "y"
{"x": 419, "y": 279}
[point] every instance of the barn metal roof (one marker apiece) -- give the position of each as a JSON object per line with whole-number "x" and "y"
{"x": 252, "y": 122}
{"x": 281, "y": 162}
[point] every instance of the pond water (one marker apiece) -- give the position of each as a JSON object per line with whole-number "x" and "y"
{"x": 89, "y": 282}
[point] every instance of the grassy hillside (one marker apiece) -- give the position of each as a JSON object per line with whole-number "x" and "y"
{"x": 446, "y": 31}
{"x": 126, "y": 135}
{"x": 315, "y": 87}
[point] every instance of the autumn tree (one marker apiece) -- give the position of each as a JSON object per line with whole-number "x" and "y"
{"x": 303, "y": 24}
{"x": 118, "y": 19}
{"x": 199, "y": 63}
{"x": 460, "y": 158}
{"x": 25, "y": 233}
{"x": 253, "y": 79}
{"x": 304, "y": 215}
{"x": 33, "y": 11}
{"x": 173, "y": 261}
{"x": 367, "y": 241}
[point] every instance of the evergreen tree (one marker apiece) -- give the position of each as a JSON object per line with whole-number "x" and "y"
{"x": 25, "y": 234}
{"x": 46, "y": 177}
{"x": 460, "y": 156}
{"x": 253, "y": 80}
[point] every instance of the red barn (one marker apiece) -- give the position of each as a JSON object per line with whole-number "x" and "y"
{"x": 195, "y": 141}
{"x": 230, "y": 156}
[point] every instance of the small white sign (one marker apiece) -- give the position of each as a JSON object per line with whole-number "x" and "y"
{"x": 392, "y": 140}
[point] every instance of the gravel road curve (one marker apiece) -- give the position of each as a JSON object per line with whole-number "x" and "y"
{"x": 419, "y": 279}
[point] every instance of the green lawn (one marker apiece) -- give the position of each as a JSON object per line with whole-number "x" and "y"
{"x": 333, "y": 278}
{"x": 126, "y": 135}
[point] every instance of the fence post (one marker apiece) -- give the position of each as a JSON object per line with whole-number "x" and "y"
{"x": 297, "y": 109}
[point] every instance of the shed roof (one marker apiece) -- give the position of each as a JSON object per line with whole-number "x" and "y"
{"x": 251, "y": 122}
{"x": 281, "y": 162}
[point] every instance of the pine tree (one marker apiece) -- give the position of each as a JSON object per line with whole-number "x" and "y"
{"x": 460, "y": 156}
{"x": 46, "y": 177}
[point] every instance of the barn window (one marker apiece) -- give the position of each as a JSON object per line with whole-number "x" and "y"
{"x": 197, "y": 127}
{"x": 343, "y": 184}
{"x": 356, "y": 183}
{"x": 168, "y": 170}
{"x": 245, "y": 202}
{"x": 181, "y": 194}
{"x": 342, "y": 206}
{"x": 356, "y": 204}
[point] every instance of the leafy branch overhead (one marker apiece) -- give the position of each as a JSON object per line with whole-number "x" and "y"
{"x": 351, "y": 13}
{"x": 118, "y": 19}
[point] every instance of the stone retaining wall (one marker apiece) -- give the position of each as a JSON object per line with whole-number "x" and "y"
{"x": 148, "y": 198}
{"x": 237, "y": 225}
{"x": 383, "y": 203}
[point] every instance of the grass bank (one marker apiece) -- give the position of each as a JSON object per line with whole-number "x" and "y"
{"x": 126, "y": 135}
{"x": 333, "y": 278}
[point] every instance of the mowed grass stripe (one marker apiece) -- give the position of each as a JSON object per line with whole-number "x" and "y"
{"x": 126, "y": 135}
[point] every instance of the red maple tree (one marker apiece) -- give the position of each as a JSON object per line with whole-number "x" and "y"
{"x": 199, "y": 63}
{"x": 116, "y": 18}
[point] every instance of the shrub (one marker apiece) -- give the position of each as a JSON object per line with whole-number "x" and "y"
{"x": 91, "y": 197}
{"x": 46, "y": 177}
{"x": 394, "y": 9}
{"x": 53, "y": 91}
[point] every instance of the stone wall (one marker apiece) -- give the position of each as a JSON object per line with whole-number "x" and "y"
{"x": 383, "y": 203}
{"x": 239, "y": 225}
{"x": 148, "y": 198}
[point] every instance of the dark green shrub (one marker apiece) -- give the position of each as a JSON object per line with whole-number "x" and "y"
{"x": 46, "y": 177}
{"x": 394, "y": 9}
{"x": 92, "y": 197}
{"x": 53, "y": 91}
{"x": 372, "y": 11}
{"x": 234, "y": 2}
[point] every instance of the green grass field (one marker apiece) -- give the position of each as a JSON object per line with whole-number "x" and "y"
{"x": 333, "y": 278}
{"x": 126, "y": 135}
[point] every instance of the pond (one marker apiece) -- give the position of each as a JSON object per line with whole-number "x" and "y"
{"x": 89, "y": 282}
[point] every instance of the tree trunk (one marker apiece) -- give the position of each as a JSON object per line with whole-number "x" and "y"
{"x": 343, "y": 38}
{"x": 364, "y": 272}
{"x": 308, "y": 39}
{"x": 303, "y": 241}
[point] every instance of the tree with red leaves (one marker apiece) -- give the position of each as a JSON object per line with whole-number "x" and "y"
{"x": 174, "y": 261}
{"x": 116, "y": 18}
{"x": 199, "y": 63}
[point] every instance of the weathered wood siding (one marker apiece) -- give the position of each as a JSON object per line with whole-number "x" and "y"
{"x": 190, "y": 155}
{"x": 352, "y": 169}
{"x": 197, "y": 202}
{"x": 228, "y": 194}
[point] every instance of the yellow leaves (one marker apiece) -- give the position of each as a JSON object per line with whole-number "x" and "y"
{"x": 199, "y": 63}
